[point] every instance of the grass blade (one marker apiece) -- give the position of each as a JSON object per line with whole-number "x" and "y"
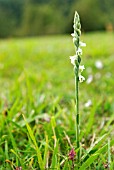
{"x": 40, "y": 161}
{"x": 88, "y": 162}
{"x": 109, "y": 154}
{"x": 94, "y": 148}
{"x": 54, "y": 157}
{"x": 46, "y": 152}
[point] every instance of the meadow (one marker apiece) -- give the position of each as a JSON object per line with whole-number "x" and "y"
{"x": 37, "y": 103}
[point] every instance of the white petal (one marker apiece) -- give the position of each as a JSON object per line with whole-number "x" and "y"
{"x": 81, "y": 68}
{"x": 82, "y": 44}
{"x": 73, "y": 35}
{"x": 88, "y": 103}
{"x": 79, "y": 51}
{"x": 73, "y": 59}
{"x": 99, "y": 64}
{"x": 74, "y": 40}
{"x": 81, "y": 78}
{"x": 90, "y": 79}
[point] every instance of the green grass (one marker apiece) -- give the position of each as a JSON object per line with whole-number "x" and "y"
{"x": 37, "y": 103}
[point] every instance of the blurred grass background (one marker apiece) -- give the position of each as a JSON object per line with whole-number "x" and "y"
{"x": 46, "y": 61}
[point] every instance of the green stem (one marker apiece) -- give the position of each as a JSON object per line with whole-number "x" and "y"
{"x": 77, "y": 110}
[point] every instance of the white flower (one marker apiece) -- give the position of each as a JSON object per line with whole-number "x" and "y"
{"x": 74, "y": 40}
{"x": 81, "y": 78}
{"x": 90, "y": 79}
{"x": 81, "y": 68}
{"x": 73, "y": 35}
{"x": 88, "y": 103}
{"x": 82, "y": 44}
{"x": 99, "y": 64}
{"x": 73, "y": 59}
{"x": 79, "y": 51}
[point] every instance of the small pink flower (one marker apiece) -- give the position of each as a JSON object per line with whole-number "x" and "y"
{"x": 72, "y": 154}
{"x": 18, "y": 168}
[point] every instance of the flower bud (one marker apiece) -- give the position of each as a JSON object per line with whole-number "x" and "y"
{"x": 75, "y": 41}
{"x": 81, "y": 78}
{"x": 79, "y": 51}
{"x": 81, "y": 68}
{"x": 82, "y": 44}
{"x": 73, "y": 59}
{"x": 71, "y": 154}
{"x": 78, "y": 32}
{"x": 79, "y": 25}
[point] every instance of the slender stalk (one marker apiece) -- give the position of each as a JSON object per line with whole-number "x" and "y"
{"x": 77, "y": 111}
{"x": 78, "y": 69}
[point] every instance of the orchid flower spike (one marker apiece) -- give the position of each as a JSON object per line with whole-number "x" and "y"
{"x": 76, "y": 59}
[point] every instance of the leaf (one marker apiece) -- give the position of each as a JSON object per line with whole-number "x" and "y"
{"x": 40, "y": 161}
{"x": 104, "y": 148}
{"x": 66, "y": 166}
{"x": 88, "y": 162}
{"x": 90, "y": 121}
{"x": 106, "y": 127}
{"x": 93, "y": 148}
{"x": 54, "y": 157}
{"x": 46, "y": 151}
{"x": 109, "y": 153}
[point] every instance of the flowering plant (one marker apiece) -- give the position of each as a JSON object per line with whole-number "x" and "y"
{"x": 78, "y": 69}
{"x": 76, "y": 59}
